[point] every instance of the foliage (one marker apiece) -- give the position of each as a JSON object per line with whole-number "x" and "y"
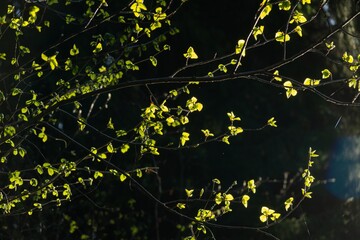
{"x": 63, "y": 137}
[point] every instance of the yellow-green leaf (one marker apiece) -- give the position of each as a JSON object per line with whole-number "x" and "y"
{"x": 251, "y": 185}
{"x": 288, "y": 203}
{"x": 298, "y": 17}
{"x": 122, "y": 177}
{"x": 266, "y": 10}
{"x": 181, "y": 205}
{"x": 98, "y": 174}
{"x": 74, "y": 51}
{"x": 298, "y": 30}
{"x": 244, "y": 200}
{"x": 285, "y": 5}
{"x": 239, "y": 47}
{"x": 272, "y": 122}
{"x": 189, "y": 192}
{"x": 51, "y": 60}
{"x": 311, "y": 82}
{"x": 110, "y": 148}
{"x": 190, "y": 53}
{"x": 137, "y": 7}
{"x": 290, "y": 91}
{"x": 153, "y": 61}
{"x": 276, "y": 76}
{"x": 98, "y": 48}
{"x": 282, "y": 37}
{"x": 225, "y": 139}
{"x": 258, "y": 31}
{"x": 184, "y": 138}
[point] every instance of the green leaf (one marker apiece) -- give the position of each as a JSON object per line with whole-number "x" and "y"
{"x": 124, "y": 148}
{"x": 298, "y": 30}
{"x": 276, "y": 74}
{"x": 288, "y": 203}
{"x": 306, "y": 193}
{"x": 244, "y": 200}
{"x": 258, "y": 31}
{"x": 235, "y": 130}
{"x": 225, "y": 139}
{"x": 239, "y": 47}
{"x": 215, "y": 180}
{"x": 24, "y": 50}
{"x": 311, "y": 82}
{"x": 272, "y": 122}
{"x": 193, "y": 105}
{"x": 98, "y": 174}
{"x": 290, "y": 91}
{"x": 74, "y": 51}
{"x": 102, "y": 156}
{"x": 201, "y": 192}
{"x": 159, "y": 15}
{"x": 33, "y": 182}
{"x": 222, "y": 68}
{"x": 190, "y": 54}
{"x": 22, "y": 152}
{"x": 251, "y": 185}
{"x": 285, "y": 5}
{"x": 184, "y": 138}
{"x": 38, "y": 205}
{"x": 330, "y": 46}
{"x": 51, "y": 60}
{"x": 16, "y": 91}
{"x": 312, "y": 153}
{"x": 181, "y": 205}
{"x": 10, "y": 9}
{"x": 110, "y": 148}
{"x": 122, "y": 177}
{"x": 298, "y": 17}
{"x": 81, "y": 123}
{"x": 13, "y": 61}
{"x": 50, "y": 171}
{"x": 325, "y": 73}
{"x": 69, "y": 19}
{"x": 266, "y": 10}
{"x": 232, "y": 117}
{"x": 282, "y": 37}
{"x": 138, "y": 173}
{"x": 39, "y": 169}
{"x": 207, "y": 133}
{"x": 98, "y": 48}
{"x": 153, "y": 61}
{"x": 137, "y": 7}
{"x": 189, "y": 192}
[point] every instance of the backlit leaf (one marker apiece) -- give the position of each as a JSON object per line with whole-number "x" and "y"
{"x": 282, "y": 37}
{"x": 74, "y": 51}
{"x": 190, "y": 53}
{"x": 266, "y": 10}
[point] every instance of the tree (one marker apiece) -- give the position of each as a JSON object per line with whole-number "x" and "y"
{"x": 92, "y": 111}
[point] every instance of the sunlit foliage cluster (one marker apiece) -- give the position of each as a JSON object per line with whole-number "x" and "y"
{"x": 106, "y": 50}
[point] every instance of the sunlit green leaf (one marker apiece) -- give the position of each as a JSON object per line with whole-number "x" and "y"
{"x": 190, "y": 54}
{"x": 266, "y": 11}
{"x": 282, "y": 37}
{"x": 74, "y": 51}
